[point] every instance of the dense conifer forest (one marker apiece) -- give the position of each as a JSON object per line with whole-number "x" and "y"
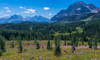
{"x": 47, "y": 31}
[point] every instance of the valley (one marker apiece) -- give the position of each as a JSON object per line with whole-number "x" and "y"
{"x": 36, "y": 32}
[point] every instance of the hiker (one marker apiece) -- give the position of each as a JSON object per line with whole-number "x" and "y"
{"x": 73, "y": 49}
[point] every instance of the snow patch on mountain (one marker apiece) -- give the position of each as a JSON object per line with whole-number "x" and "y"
{"x": 78, "y": 9}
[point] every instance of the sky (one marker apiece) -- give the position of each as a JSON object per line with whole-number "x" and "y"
{"x": 46, "y": 8}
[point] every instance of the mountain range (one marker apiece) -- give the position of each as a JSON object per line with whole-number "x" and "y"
{"x": 19, "y": 19}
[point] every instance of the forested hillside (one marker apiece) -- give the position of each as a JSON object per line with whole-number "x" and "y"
{"x": 45, "y": 31}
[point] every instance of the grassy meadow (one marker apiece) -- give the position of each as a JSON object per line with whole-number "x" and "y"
{"x": 31, "y": 53}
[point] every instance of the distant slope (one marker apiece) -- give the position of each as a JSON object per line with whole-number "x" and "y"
{"x": 81, "y": 17}
{"x": 37, "y": 19}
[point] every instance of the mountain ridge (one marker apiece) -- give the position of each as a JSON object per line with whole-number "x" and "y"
{"x": 18, "y": 19}
{"x": 77, "y": 8}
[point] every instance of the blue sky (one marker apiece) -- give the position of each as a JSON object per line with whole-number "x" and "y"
{"x": 46, "y": 8}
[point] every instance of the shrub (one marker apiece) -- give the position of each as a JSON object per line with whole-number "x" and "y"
{"x": 32, "y": 58}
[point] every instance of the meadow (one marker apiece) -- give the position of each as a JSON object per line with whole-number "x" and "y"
{"x": 31, "y": 53}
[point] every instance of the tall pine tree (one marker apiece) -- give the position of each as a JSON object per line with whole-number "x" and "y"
{"x": 49, "y": 45}
{"x": 57, "y": 46}
{"x": 2, "y": 44}
{"x": 20, "y": 45}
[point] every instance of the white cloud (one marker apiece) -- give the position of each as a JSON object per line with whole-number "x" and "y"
{"x": 6, "y": 7}
{"x": 8, "y": 11}
{"x": 31, "y": 10}
{"x": 46, "y": 8}
{"x": 26, "y": 12}
{"x": 50, "y": 14}
{"x": 4, "y": 15}
{"x": 7, "y": 15}
{"x": 22, "y": 7}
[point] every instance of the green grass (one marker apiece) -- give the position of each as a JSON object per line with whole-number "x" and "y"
{"x": 57, "y": 33}
{"x": 88, "y": 19}
{"x": 80, "y": 30}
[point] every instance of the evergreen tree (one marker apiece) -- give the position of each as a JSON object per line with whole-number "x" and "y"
{"x": 1, "y": 52}
{"x": 94, "y": 44}
{"x": 82, "y": 41}
{"x": 84, "y": 38}
{"x": 2, "y": 44}
{"x": 90, "y": 44}
{"x": 20, "y": 46}
{"x": 65, "y": 42}
{"x": 74, "y": 41}
{"x": 95, "y": 41}
{"x": 37, "y": 45}
{"x": 57, "y": 46}
{"x": 55, "y": 41}
{"x": 35, "y": 40}
{"x": 49, "y": 45}
{"x": 12, "y": 44}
